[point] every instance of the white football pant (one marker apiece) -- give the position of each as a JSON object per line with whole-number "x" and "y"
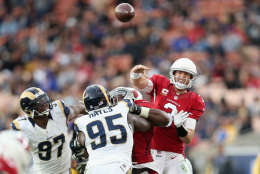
{"x": 171, "y": 163}
{"x": 109, "y": 168}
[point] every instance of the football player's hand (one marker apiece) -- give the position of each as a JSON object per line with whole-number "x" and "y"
{"x": 180, "y": 118}
{"x": 127, "y": 93}
{"x": 81, "y": 165}
{"x": 134, "y": 109}
{"x": 140, "y": 69}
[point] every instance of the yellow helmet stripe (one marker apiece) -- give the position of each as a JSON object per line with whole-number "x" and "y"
{"x": 83, "y": 96}
{"x": 28, "y": 94}
{"x": 104, "y": 92}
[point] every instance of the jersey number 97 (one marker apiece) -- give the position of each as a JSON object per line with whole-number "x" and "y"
{"x": 45, "y": 147}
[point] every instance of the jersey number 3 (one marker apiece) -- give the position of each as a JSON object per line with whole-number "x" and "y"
{"x": 172, "y": 107}
{"x": 101, "y": 132}
{"x": 46, "y": 146}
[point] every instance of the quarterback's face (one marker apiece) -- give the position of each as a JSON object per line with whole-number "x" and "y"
{"x": 182, "y": 77}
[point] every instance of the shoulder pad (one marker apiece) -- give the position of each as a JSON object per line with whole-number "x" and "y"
{"x": 79, "y": 119}
{"x": 16, "y": 124}
{"x": 79, "y": 123}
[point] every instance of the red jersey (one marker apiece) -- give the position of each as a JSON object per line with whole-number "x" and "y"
{"x": 165, "y": 97}
{"x": 7, "y": 166}
{"x": 142, "y": 140}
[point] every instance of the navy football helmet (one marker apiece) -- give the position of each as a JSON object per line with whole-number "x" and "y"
{"x": 96, "y": 97}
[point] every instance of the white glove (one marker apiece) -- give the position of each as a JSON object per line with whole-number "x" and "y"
{"x": 180, "y": 118}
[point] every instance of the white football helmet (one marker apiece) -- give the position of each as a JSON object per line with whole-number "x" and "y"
{"x": 186, "y": 65}
{"x": 120, "y": 93}
{"x": 14, "y": 152}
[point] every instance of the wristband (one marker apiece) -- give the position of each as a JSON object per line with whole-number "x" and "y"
{"x": 135, "y": 76}
{"x": 144, "y": 112}
{"x": 181, "y": 131}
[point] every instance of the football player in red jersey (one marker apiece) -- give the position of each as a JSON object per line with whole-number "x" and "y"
{"x": 173, "y": 96}
{"x": 141, "y": 157}
{"x": 15, "y": 155}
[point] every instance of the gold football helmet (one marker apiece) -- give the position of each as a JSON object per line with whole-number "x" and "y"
{"x": 35, "y": 102}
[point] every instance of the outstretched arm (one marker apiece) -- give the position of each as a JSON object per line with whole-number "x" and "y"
{"x": 155, "y": 116}
{"x": 159, "y": 118}
{"x": 138, "y": 77}
{"x": 76, "y": 111}
{"x": 138, "y": 123}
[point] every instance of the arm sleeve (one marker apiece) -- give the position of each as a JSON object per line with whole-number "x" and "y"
{"x": 15, "y": 125}
{"x": 153, "y": 81}
{"x": 198, "y": 107}
{"x": 190, "y": 123}
{"x": 65, "y": 108}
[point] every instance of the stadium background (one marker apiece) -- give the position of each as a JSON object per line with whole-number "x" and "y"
{"x": 63, "y": 45}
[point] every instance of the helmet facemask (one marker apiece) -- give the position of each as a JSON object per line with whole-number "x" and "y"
{"x": 96, "y": 97}
{"x": 41, "y": 106}
{"x": 121, "y": 93}
{"x": 117, "y": 95}
{"x": 179, "y": 85}
{"x": 97, "y": 103}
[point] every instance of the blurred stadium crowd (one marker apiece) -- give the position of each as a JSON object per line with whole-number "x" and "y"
{"x": 63, "y": 45}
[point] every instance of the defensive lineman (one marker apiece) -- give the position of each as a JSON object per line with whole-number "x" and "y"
{"x": 45, "y": 125}
{"x": 107, "y": 131}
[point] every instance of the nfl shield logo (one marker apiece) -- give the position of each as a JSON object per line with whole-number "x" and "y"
{"x": 175, "y": 97}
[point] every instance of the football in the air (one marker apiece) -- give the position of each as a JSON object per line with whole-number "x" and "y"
{"x": 124, "y": 12}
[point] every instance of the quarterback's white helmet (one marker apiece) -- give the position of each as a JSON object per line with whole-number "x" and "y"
{"x": 14, "y": 152}
{"x": 186, "y": 65}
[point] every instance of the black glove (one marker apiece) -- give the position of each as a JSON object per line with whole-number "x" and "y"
{"x": 78, "y": 154}
{"x": 133, "y": 108}
{"x": 75, "y": 146}
{"x": 81, "y": 166}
